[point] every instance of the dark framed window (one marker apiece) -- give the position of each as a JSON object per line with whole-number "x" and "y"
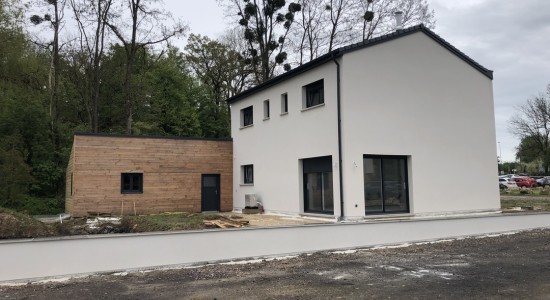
{"x": 248, "y": 174}
{"x": 266, "y": 109}
{"x": 131, "y": 183}
{"x": 247, "y": 115}
{"x": 284, "y": 103}
{"x": 315, "y": 93}
{"x": 385, "y": 184}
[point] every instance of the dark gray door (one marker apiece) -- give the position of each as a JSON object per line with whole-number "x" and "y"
{"x": 210, "y": 192}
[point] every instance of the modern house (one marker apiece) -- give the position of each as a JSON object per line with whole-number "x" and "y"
{"x": 118, "y": 174}
{"x": 400, "y": 124}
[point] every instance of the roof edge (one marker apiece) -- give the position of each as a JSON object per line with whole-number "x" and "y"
{"x": 114, "y": 135}
{"x": 357, "y": 46}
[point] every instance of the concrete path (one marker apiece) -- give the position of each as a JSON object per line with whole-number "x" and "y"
{"x": 26, "y": 259}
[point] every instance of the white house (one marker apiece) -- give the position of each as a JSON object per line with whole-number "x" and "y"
{"x": 400, "y": 124}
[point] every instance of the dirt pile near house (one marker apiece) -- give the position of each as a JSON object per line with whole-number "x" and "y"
{"x": 14, "y": 225}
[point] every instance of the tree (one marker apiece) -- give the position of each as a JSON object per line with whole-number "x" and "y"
{"x": 325, "y": 26}
{"x": 55, "y": 22}
{"x": 266, "y": 27}
{"x": 91, "y": 17}
{"x": 143, "y": 23}
{"x": 532, "y": 126}
{"x": 221, "y": 68}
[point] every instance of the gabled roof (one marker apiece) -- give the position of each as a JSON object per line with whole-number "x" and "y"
{"x": 361, "y": 45}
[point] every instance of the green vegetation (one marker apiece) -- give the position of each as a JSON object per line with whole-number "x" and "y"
{"x": 49, "y": 92}
{"x": 165, "y": 222}
{"x": 526, "y": 192}
{"x": 544, "y": 204}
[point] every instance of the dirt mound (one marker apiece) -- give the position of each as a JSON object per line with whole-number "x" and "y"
{"x": 15, "y": 225}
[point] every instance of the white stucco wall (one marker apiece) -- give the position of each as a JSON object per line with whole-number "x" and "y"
{"x": 275, "y": 146}
{"x": 413, "y": 97}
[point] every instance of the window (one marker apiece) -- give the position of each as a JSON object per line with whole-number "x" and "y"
{"x": 131, "y": 183}
{"x": 284, "y": 103}
{"x": 248, "y": 174}
{"x": 72, "y": 178}
{"x": 385, "y": 184}
{"x": 247, "y": 116}
{"x": 314, "y": 94}
{"x": 266, "y": 109}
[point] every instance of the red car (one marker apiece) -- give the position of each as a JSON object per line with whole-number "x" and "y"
{"x": 525, "y": 181}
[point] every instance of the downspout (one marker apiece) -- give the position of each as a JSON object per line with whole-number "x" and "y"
{"x": 334, "y": 56}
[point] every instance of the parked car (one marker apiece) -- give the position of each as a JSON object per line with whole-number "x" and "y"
{"x": 524, "y": 181}
{"x": 505, "y": 183}
{"x": 543, "y": 181}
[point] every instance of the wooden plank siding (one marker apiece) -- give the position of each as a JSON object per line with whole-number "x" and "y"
{"x": 172, "y": 170}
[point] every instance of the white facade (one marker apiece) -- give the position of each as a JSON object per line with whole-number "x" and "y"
{"x": 410, "y": 97}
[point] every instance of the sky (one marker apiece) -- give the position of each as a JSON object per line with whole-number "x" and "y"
{"x": 512, "y": 38}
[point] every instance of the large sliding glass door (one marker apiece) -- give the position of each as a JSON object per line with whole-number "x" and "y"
{"x": 385, "y": 184}
{"x": 318, "y": 193}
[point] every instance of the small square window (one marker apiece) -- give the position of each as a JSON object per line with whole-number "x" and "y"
{"x": 314, "y": 94}
{"x": 131, "y": 183}
{"x": 266, "y": 109}
{"x": 248, "y": 174}
{"x": 247, "y": 116}
{"x": 284, "y": 103}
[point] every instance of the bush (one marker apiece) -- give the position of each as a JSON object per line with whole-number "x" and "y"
{"x": 42, "y": 206}
{"x": 524, "y": 191}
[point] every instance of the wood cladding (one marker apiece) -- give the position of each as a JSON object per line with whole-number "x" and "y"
{"x": 172, "y": 171}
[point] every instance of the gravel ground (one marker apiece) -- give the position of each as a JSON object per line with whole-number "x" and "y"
{"x": 511, "y": 266}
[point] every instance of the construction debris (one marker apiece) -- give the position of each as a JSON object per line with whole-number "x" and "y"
{"x": 224, "y": 222}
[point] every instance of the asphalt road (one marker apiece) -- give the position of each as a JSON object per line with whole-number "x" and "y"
{"x": 515, "y": 266}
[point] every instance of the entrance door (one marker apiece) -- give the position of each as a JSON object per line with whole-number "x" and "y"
{"x": 210, "y": 192}
{"x": 318, "y": 194}
{"x": 385, "y": 184}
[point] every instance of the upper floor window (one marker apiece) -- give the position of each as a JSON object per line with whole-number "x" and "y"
{"x": 314, "y": 94}
{"x": 284, "y": 103}
{"x": 266, "y": 109}
{"x": 131, "y": 183}
{"x": 247, "y": 118}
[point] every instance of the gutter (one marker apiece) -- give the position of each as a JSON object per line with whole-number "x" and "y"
{"x": 334, "y": 57}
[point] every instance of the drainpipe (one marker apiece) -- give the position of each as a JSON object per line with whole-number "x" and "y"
{"x": 334, "y": 56}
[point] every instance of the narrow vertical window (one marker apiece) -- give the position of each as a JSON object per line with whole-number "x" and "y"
{"x": 284, "y": 103}
{"x": 266, "y": 109}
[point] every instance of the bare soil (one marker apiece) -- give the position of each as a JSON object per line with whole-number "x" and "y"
{"x": 513, "y": 266}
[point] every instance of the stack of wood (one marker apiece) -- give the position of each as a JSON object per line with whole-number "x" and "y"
{"x": 224, "y": 222}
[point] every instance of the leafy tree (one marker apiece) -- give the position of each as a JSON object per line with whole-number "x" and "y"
{"x": 146, "y": 28}
{"x": 266, "y": 26}
{"x": 218, "y": 66}
{"x": 532, "y": 126}
{"x": 172, "y": 101}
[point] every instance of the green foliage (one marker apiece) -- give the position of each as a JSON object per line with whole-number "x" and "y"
{"x": 172, "y": 95}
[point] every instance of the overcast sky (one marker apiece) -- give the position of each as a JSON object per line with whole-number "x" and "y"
{"x": 512, "y": 38}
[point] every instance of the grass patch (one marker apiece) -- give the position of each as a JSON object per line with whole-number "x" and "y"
{"x": 544, "y": 204}
{"x": 165, "y": 222}
{"x": 536, "y": 191}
